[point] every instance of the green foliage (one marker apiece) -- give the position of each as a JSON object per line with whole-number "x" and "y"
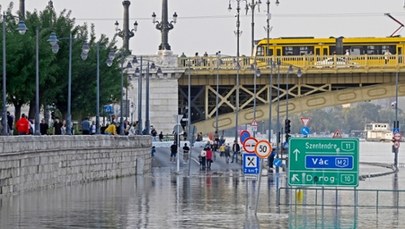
{"x": 53, "y": 68}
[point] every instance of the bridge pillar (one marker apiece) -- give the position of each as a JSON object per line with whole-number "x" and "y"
{"x": 163, "y": 92}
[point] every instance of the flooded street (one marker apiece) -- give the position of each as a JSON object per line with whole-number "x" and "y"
{"x": 220, "y": 198}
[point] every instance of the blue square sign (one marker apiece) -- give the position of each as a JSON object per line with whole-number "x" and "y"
{"x": 251, "y": 164}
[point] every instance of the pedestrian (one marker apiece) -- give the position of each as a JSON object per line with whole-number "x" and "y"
{"x": 57, "y": 127}
{"x": 111, "y": 129}
{"x": 154, "y": 134}
{"x": 173, "y": 152}
{"x": 227, "y": 153}
{"x": 203, "y": 155}
{"x": 10, "y": 120}
{"x": 235, "y": 151}
{"x": 271, "y": 159}
{"x": 43, "y": 127}
{"x": 209, "y": 157}
{"x": 387, "y": 55}
{"x": 153, "y": 151}
{"x": 23, "y": 125}
{"x": 161, "y": 136}
{"x": 86, "y": 126}
{"x": 132, "y": 130}
{"x": 93, "y": 128}
{"x": 222, "y": 150}
{"x": 186, "y": 152}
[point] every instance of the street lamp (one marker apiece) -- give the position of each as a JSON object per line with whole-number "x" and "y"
{"x": 53, "y": 40}
{"x": 138, "y": 73}
{"x": 252, "y": 7}
{"x": 278, "y": 111}
{"x": 238, "y": 32}
{"x": 125, "y": 33}
{"x": 111, "y": 57}
{"x": 256, "y": 73}
{"x": 218, "y": 63}
{"x": 22, "y": 28}
{"x": 164, "y": 25}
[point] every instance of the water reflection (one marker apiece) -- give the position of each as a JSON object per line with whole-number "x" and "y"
{"x": 203, "y": 200}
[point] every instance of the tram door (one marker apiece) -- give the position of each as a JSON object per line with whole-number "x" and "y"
{"x": 321, "y": 52}
{"x": 400, "y": 53}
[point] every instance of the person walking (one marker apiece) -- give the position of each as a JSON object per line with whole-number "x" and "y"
{"x": 173, "y": 152}
{"x": 209, "y": 158}
{"x": 23, "y": 125}
{"x": 86, "y": 126}
{"x": 203, "y": 155}
{"x": 186, "y": 152}
{"x": 43, "y": 127}
{"x": 235, "y": 151}
{"x": 161, "y": 136}
{"x": 227, "y": 153}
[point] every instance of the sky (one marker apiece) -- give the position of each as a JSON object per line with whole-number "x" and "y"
{"x": 208, "y": 26}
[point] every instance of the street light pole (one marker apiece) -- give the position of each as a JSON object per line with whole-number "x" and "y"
{"x": 98, "y": 90}
{"x": 252, "y": 7}
{"x": 21, "y": 29}
{"x": 278, "y": 110}
{"x": 217, "y": 92}
{"x": 164, "y": 25}
{"x": 140, "y": 99}
{"x": 238, "y": 32}
{"x": 5, "y": 125}
{"x": 69, "y": 105}
{"x": 147, "y": 119}
{"x": 37, "y": 131}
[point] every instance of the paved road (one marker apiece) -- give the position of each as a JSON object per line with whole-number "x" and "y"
{"x": 162, "y": 159}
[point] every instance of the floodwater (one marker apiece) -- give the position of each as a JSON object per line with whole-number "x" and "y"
{"x": 220, "y": 198}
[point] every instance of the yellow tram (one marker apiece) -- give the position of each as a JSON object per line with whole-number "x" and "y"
{"x": 331, "y": 52}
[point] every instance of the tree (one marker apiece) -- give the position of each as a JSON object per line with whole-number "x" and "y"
{"x": 53, "y": 68}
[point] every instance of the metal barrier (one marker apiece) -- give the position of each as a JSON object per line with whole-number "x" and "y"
{"x": 341, "y": 197}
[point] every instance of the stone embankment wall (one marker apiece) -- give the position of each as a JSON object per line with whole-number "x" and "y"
{"x": 34, "y": 162}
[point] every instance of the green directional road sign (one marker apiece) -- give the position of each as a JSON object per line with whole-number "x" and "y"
{"x": 323, "y": 162}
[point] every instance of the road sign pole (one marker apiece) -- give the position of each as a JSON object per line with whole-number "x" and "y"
{"x": 258, "y": 185}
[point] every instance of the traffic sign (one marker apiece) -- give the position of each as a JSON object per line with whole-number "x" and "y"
{"x": 263, "y": 149}
{"x": 305, "y": 131}
{"x": 323, "y": 162}
{"x": 108, "y": 109}
{"x": 305, "y": 121}
{"x": 244, "y": 134}
{"x": 277, "y": 162}
{"x": 249, "y": 145}
{"x": 251, "y": 164}
{"x": 254, "y": 123}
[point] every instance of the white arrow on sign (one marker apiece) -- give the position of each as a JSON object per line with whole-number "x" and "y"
{"x": 296, "y": 152}
{"x": 295, "y": 178}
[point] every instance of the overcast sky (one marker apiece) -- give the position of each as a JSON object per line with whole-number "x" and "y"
{"x": 207, "y": 25}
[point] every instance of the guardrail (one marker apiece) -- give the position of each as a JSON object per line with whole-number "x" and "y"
{"x": 341, "y": 197}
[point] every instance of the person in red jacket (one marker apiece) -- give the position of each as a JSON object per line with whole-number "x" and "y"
{"x": 23, "y": 125}
{"x": 209, "y": 157}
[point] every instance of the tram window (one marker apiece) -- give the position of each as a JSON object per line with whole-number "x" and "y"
{"x": 269, "y": 52}
{"x": 259, "y": 51}
{"x": 390, "y": 48}
{"x": 288, "y": 51}
{"x": 306, "y": 50}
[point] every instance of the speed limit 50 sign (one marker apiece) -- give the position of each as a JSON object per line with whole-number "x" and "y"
{"x": 263, "y": 149}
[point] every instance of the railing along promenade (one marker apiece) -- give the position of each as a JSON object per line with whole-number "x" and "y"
{"x": 307, "y": 63}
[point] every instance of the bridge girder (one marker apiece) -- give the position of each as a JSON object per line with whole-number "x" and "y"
{"x": 303, "y": 100}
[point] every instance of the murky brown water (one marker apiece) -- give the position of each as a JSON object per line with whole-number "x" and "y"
{"x": 204, "y": 200}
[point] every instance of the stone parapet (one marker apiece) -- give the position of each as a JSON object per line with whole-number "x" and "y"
{"x": 34, "y": 162}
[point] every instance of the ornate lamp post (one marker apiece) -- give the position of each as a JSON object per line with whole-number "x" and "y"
{"x": 125, "y": 33}
{"x": 164, "y": 26}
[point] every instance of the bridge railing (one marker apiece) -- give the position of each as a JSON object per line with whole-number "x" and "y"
{"x": 304, "y": 62}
